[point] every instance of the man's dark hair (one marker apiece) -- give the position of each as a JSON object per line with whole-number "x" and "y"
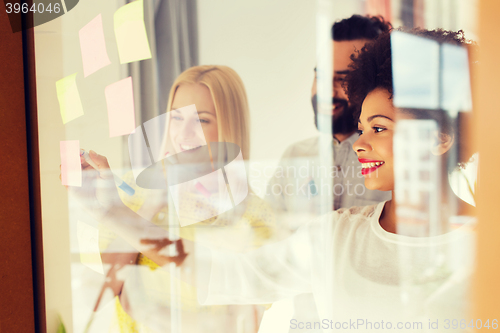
{"x": 359, "y": 27}
{"x": 353, "y": 28}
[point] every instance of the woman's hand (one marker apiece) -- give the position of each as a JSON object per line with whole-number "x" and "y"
{"x": 98, "y": 193}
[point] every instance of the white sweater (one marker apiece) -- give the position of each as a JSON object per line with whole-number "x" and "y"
{"x": 356, "y": 271}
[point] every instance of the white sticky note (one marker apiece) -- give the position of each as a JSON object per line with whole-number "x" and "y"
{"x": 456, "y": 89}
{"x": 120, "y": 103}
{"x": 93, "y": 46}
{"x": 88, "y": 243}
{"x": 70, "y": 103}
{"x": 71, "y": 167}
{"x": 237, "y": 179}
{"x": 130, "y": 32}
{"x": 415, "y": 68}
{"x": 277, "y": 318}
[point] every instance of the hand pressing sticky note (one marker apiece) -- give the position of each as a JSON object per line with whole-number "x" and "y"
{"x": 120, "y": 103}
{"x": 71, "y": 167}
{"x": 70, "y": 103}
{"x": 93, "y": 46}
{"x": 130, "y": 32}
{"x": 88, "y": 243}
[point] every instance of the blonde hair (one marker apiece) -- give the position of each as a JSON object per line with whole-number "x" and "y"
{"x": 230, "y": 100}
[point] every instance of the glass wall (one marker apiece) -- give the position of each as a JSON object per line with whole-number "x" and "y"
{"x": 181, "y": 199}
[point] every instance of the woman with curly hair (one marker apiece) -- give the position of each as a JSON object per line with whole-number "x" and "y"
{"x": 363, "y": 272}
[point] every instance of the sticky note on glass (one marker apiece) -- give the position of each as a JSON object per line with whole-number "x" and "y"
{"x": 70, "y": 103}
{"x": 71, "y": 167}
{"x": 93, "y": 46}
{"x": 415, "y": 68}
{"x": 456, "y": 89}
{"x": 130, "y": 32}
{"x": 120, "y": 103}
{"x": 88, "y": 243}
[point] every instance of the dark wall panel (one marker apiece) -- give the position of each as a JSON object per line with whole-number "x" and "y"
{"x": 16, "y": 284}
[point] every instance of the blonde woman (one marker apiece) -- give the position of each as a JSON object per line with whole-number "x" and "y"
{"x": 221, "y": 114}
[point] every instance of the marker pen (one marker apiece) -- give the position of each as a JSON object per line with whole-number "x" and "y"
{"x": 119, "y": 182}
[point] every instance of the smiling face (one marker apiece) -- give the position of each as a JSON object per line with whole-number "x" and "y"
{"x": 377, "y": 123}
{"x": 185, "y": 134}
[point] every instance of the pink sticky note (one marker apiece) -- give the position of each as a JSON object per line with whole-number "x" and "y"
{"x": 120, "y": 102}
{"x": 71, "y": 168}
{"x": 93, "y": 46}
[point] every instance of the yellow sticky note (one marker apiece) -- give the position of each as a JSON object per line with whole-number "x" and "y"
{"x": 130, "y": 32}
{"x": 88, "y": 243}
{"x": 70, "y": 103}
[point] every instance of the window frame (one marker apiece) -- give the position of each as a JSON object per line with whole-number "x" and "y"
{"x": 22, "y": 278}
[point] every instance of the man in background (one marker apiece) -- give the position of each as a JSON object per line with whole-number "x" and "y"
{"x": 301, "y": 185}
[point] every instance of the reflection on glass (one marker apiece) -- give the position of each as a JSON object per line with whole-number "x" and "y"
{"x": 433, "y": 187}
{"x": 418, "y": 181}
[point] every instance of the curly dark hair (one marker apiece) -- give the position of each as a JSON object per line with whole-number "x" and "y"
{"x": 359, "y": 27}
{"x": 371, "y": 68}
